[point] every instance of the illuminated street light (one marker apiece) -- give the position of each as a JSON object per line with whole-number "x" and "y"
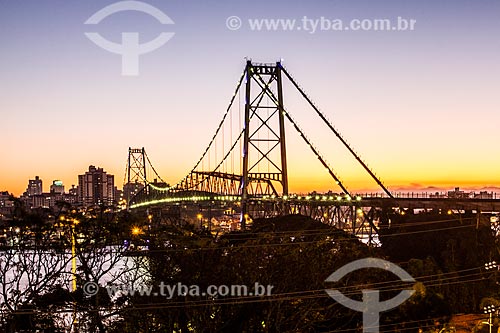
{"x": 490, "y": 265}
{"x": 490, "y": 309}
{"x": 199, "y": 216}
{"x": 136, "y": 231}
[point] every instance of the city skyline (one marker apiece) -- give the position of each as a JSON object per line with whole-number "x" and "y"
{"x": 421, "y": 107}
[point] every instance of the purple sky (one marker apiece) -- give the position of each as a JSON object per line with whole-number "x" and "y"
{"x": 420, "y": 106}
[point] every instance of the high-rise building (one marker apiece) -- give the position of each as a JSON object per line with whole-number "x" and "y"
{"x": 6, "y": 205}
{"x": 96, "y": 187}
{"x": 57, "y": 187}
{"x": 35, "y": 198}
{"x": 73, "y": 191}
{"x": 35, "y": 187}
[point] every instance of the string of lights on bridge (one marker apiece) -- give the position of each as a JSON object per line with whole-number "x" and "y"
{"x": 237, "y": 198}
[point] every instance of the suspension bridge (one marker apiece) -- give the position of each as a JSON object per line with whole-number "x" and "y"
{"x": 244, "y": 167}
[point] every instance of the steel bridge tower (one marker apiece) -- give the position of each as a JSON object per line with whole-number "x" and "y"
{"x": 136, "y": 174}
{"x": 264, "y": 157}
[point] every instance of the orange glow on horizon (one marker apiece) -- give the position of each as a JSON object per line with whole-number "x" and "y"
{"x": 306, "y": 184}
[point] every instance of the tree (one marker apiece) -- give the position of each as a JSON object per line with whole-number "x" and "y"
{"x": 29, "y": 268}
{"x": 294, "y": 254}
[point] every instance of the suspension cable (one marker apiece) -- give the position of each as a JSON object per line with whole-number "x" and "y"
{"x": 336, "y": 132}
{"x": 154, "y": 170}
{"x": 240, "y": 81}
{"x": 304, "y": 137}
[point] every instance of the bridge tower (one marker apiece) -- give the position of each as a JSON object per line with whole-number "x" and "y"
{"x": 264, "y": 144}
{"x": 136, "y": 176}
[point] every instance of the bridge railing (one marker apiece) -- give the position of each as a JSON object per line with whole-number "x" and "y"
{"x": 434, "y": 195}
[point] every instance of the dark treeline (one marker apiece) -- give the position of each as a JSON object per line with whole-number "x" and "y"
{"x": 293, "y": 254}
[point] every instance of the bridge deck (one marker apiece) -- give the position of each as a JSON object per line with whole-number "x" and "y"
{"x": 436, "y": 203}
{"x": 485, "y": 205}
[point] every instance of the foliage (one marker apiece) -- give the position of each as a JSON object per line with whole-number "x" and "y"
{"x": 293, "y": 254}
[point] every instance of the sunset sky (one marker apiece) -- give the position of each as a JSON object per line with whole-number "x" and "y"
{"x": 421, "y": 107}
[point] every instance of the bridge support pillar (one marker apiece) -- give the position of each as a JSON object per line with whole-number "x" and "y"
{"x": 264, "y": 145}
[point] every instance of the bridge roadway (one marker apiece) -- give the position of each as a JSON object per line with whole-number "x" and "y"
{"x": 484, "y": 205}
{"x": 357, "y": 215}
{"x": 400, "y": 201}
